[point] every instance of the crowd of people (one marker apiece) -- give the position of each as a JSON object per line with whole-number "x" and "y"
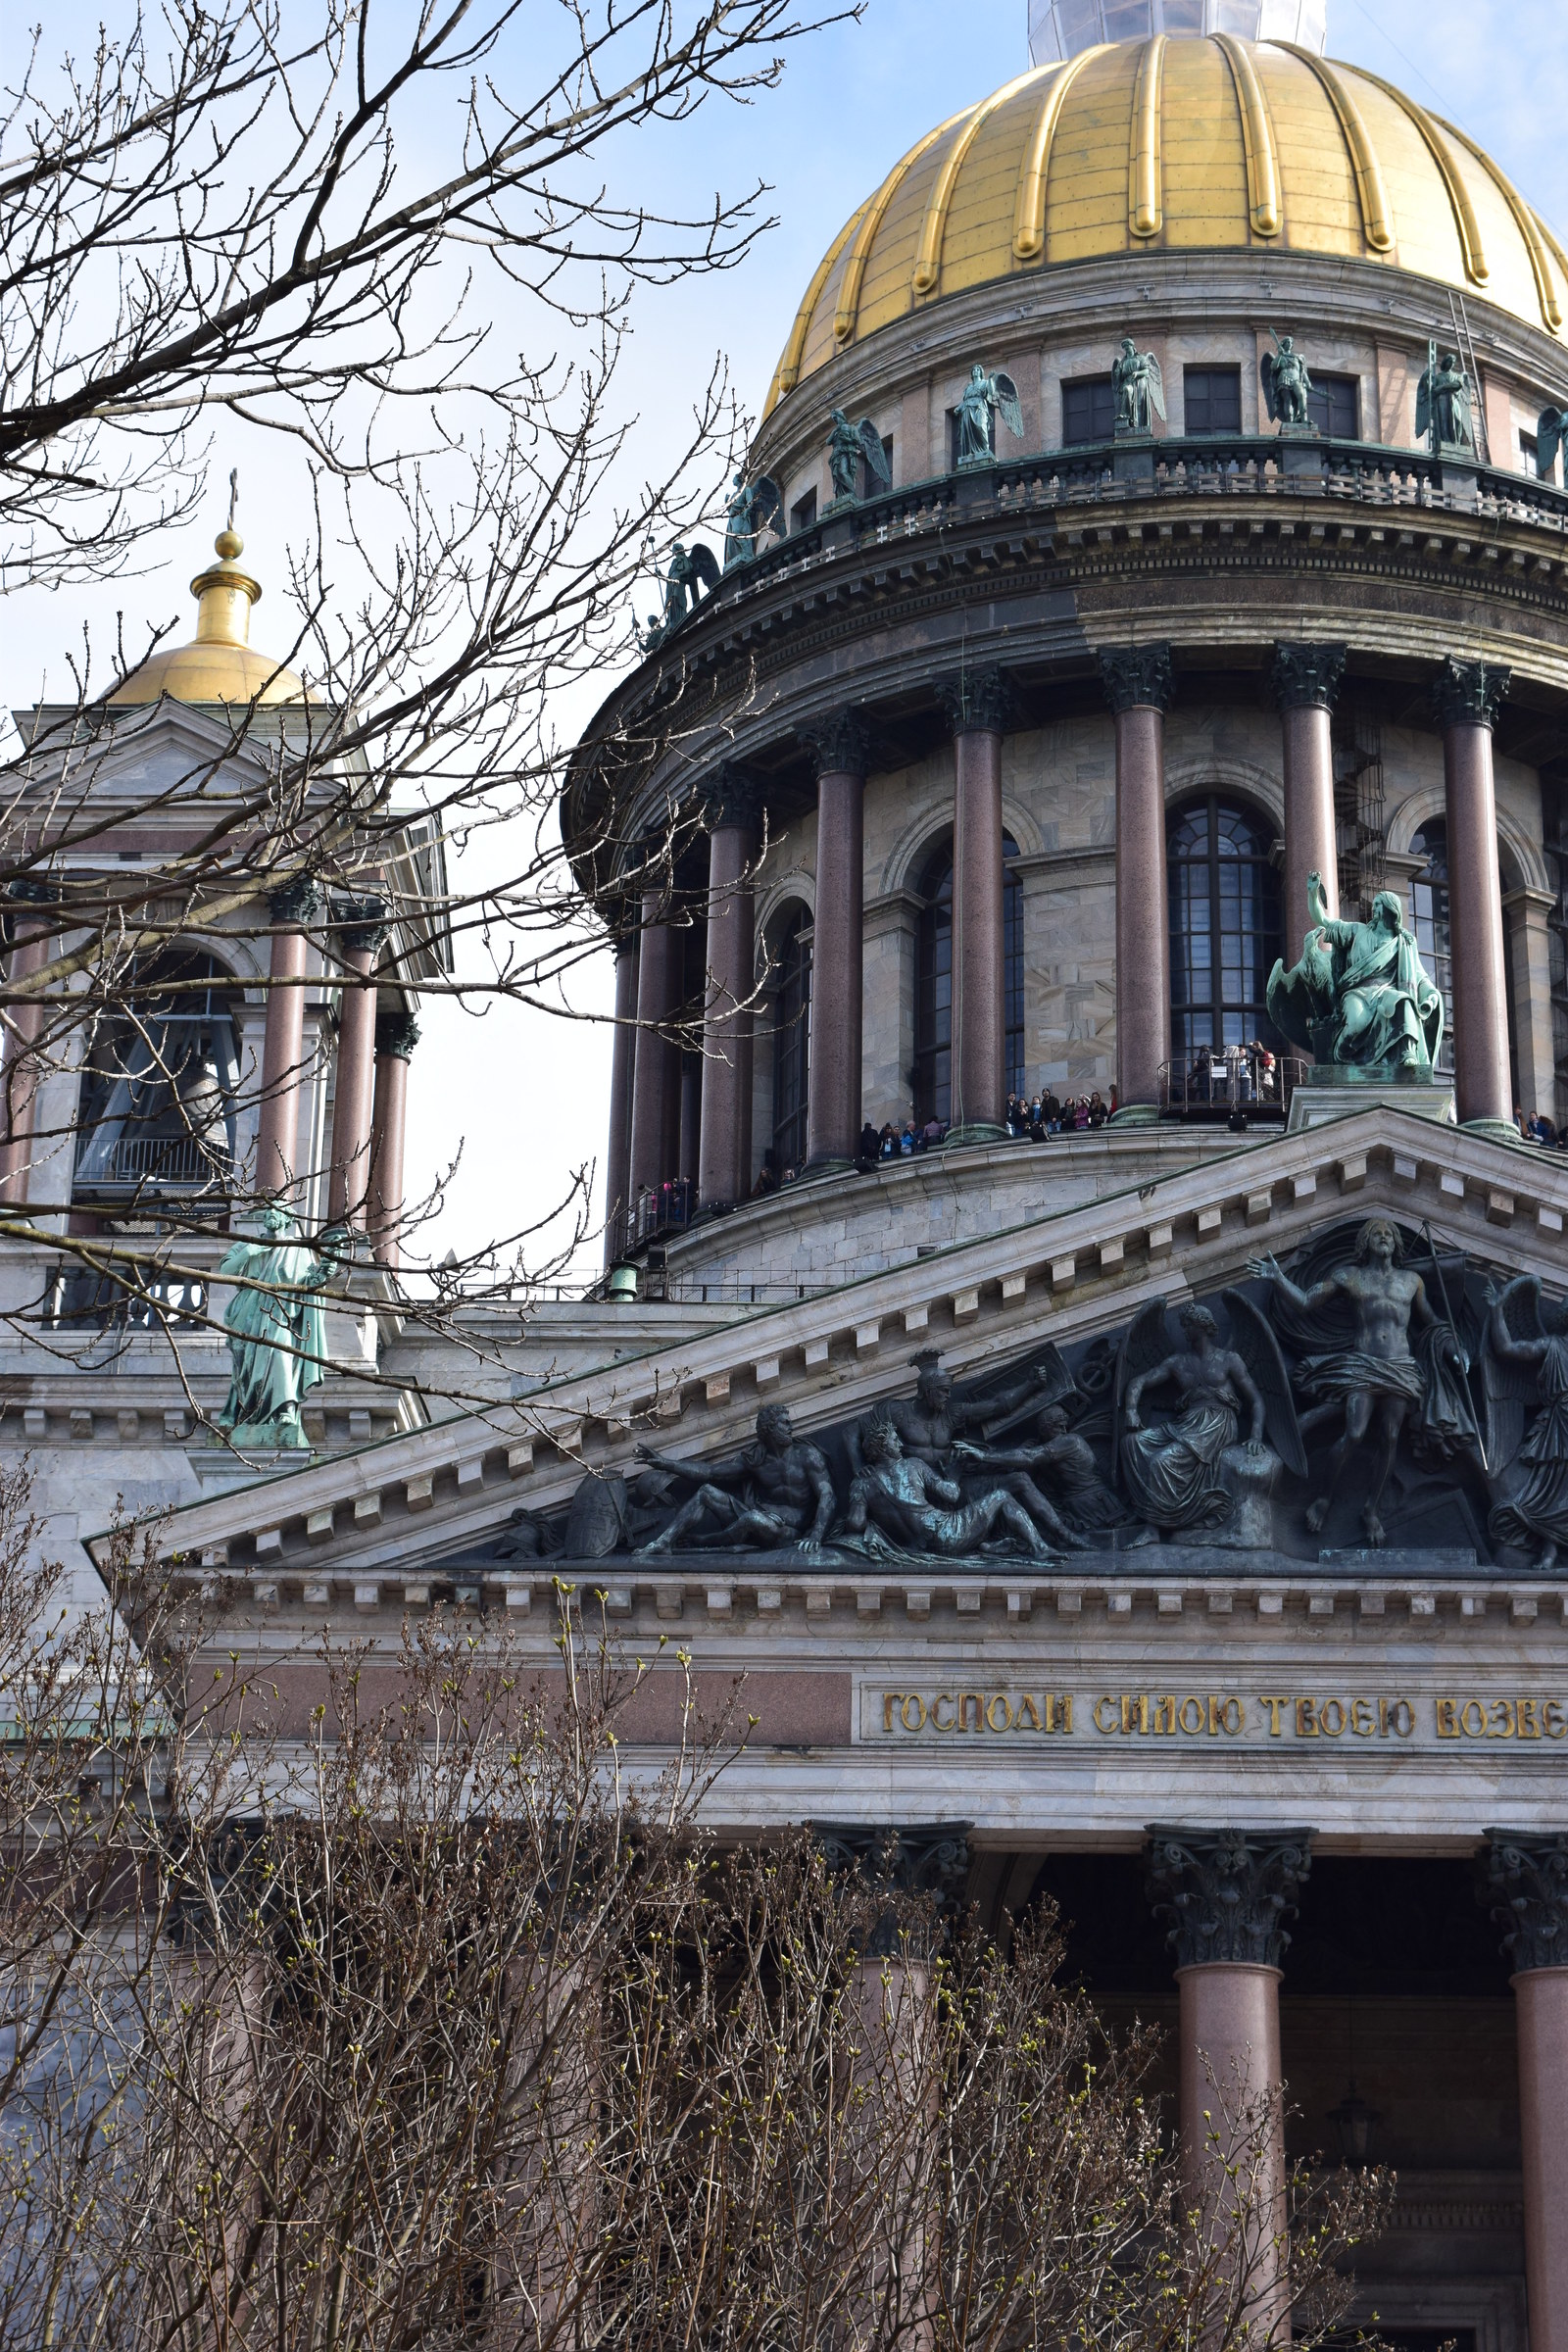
{"x": 1540, "y": 1130}
{"x": 1232, "y": 1074}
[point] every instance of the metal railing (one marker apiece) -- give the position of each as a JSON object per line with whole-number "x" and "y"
{"x": 135, "y": 1164}
{"x": 84, "y": 1300}
{"x": 1221, "y": 1086}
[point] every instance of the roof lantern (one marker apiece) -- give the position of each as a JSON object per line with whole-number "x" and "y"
{"x": 1061, "y": 28}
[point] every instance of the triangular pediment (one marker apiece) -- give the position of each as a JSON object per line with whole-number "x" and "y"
{"x": 449, "y": 1492}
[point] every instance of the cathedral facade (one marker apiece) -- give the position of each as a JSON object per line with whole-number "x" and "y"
{"x": 1121, "y": 748}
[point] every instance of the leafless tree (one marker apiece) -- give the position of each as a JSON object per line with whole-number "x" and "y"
{"x": 302, "y": 228}
{"x": 411, "y": 2017}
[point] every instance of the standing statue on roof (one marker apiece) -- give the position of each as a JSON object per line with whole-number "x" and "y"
{"x": 982, "y": 396}
{"x": 691, "y": 571}
{"x": 277, "y": 1330}
{"x": 1286, "y": 385}
{"x": 849, "y": 447}
{"x": 752, "y": 508}
{"x": 1138, "y": 386}
{"x": 1443, "y": 404}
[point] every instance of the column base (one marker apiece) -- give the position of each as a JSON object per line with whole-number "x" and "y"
{"x": 973, "y": 1131}
{"x": 1495, "y": 1131}
{"x": 828, "y": 1165}
{"x": 1135, "y": 1114}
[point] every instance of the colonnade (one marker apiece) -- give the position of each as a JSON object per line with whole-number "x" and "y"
{"x": 1137, "y": 683}
{"x": 365, "y": 1167}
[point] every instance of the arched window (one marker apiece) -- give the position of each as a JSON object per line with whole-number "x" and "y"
{"x": 792, "y": 1038}
{"x": 933, "y": 990}
{"x": 1429, "y": 904}
{"x": 1224, "y": 926}
{"x": 158, "y": 1089}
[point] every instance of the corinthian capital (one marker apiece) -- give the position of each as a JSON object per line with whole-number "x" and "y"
{"x": 1469, "y": 693}
{"x": 1138, "y": 678}
{"x": 978, "y": 701}
{"x": 1526, "y": 1878}
{"x": 839, "y": 744}
{"x": 1227, "y": 1891}
{"x": 732, "y": 797}
{"x": 1307, "y": 677}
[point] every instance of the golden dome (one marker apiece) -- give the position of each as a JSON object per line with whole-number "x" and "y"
{"x": 1178, "y": 144}
{"x": 219, "y": 665}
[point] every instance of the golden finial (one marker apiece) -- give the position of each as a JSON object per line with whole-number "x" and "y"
{"x": 228, "y": 543}
{"x": 223, "y": 594}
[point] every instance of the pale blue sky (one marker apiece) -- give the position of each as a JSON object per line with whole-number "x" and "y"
{"x": 528, "y": 1093}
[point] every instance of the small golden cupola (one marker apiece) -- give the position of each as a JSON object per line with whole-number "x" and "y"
{"x": 220, "y": 666}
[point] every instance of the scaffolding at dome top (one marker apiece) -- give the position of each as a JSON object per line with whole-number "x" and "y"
{"x": 1059, "y": 28}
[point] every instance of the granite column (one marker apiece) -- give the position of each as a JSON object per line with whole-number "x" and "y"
{"x": 1467, "y": 698}
{"x": 841, "y": 749}
{"x": 723, "y": 1136}
{"x": 397, "y": 1033}
{"x": 624, "y": 1053}
{"x": 978, "y": 708}
{"x": 283, "y": 1045}
{"x": 1307, "y": 682}
{"x": 1228, "y": 1892}
{"x": 33, "y": 944}
{"x": 655, "y": 1071}
{"x": 1139, "y": 687}
{"x": 361, "y": 933}
{"x": 1529, "y": 1883}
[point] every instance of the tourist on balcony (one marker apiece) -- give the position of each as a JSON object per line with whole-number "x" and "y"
{"x": 1049, "y": 1112}
{"x": 1096, "y": 1110}
{"x": 932, "y": 1133}
{"x": 871, "y": 1151}
{"x": 906, "y": 1140}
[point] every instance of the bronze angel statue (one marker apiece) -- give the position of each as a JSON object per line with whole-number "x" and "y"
{"x": 1551, "y": 431}
{"x": 1524, "y": 1378}
{"x": 691, "y": 571}
{"x": 849, "y": 447}
{"x": 982, "y": 396}
{"x": 750, "y": 511}
{"x": 1180, "y": 1473}
{"x": 1443, "y": 404}
{"x": 1137, "y": 387}
{"x": 1286, "y": 385}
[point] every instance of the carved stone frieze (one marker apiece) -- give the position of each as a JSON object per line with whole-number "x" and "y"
{"x": 1527, "y": 1880}
{"x": 1227, "y": 1891}
{"x": 1138, "y": 678}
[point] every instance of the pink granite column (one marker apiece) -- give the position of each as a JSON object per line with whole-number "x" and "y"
{"x": 1529, "y": 1876}
{"x": 1467, "y": 698}
{"x": 833, "y": 1108}
{"x": 397, "y": 1033}
{"x": 977, "y": 707}
{"x": 623, "y": 1054}
{"x": 1307, "y": 683}
{"x": 34, "y": 942}
{"x": 1228, "y": 1892}
{"x": 654, "y": 1079}
{"x": 283, "y": 1048}
{"x": 1139, "y": 687}
{"x": 723, "y": 1136}
{"x": 361, "y": 929}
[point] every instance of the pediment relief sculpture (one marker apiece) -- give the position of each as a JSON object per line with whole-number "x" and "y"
{"x": 1370, "y": 1391}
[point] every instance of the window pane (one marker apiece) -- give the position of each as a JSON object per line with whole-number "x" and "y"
{"x": 1429, "y": 899}
{"x": 1088, "y": 409}
{"x": 1334, "y": 406}
{"x": 792, "y": 1046}
{"x": 1224, "y": 926}
{"x": 1212, "y": 400}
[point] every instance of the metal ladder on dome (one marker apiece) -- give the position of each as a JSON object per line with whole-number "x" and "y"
{"x": 1465, "y": 344}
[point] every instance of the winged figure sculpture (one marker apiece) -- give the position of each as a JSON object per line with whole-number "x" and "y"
{"x": 751, "y": 510}
{"x": 1524, "y": 1380}
{"x": 849, "y": 447}
{"x": 691, "y": 570}
{"x": 1552, "y": 430}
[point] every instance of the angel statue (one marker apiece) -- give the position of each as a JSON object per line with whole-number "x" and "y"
{"x": 1551, "y": 431}
{"x": 1359, "y": 994}
{"x": 690, "y": 570}
{"x": 1287, "y": 384}
{"x": 1137, "y": 387}
{"x": 1443, "y": 404}
{"x": 1190, "y": 1472}
{"x": 982, "y": 395}
{"x": 753, "y": 507}
{"x": 1362, "y": 1371}
{"x": 1524, "y": 1362}
{"x": 847, "y": 445}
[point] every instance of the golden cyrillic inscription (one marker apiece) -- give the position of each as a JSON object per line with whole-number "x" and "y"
{"x": 1266, "y": 1716}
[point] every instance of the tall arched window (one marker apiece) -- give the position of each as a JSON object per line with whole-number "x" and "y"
{"x": 1429, "y": 903}
{"x": 1224, "y": 926}
{"x": 791, "y": 1037}
{"x": 933, "y": 988}
{"x": 158, "y": 1090}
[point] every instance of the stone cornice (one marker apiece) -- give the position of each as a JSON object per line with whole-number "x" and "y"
{"x": 983, "y": 1302}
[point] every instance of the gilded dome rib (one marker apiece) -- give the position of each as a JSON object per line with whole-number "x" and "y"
{"x": 848, "y": 307}
{"x": 787, "y": 375}
{"x": 1526, "y": 224}
{"x": 1464, "y": 211}
{"x": 1145, "y": 213}
{"x": 928, "y": 257}
{"x": 1548, "y": 235}
{"x": 1029, "y": 211}
{"x": 1263, "y": 198}
{"x": 1376, "y": 213}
